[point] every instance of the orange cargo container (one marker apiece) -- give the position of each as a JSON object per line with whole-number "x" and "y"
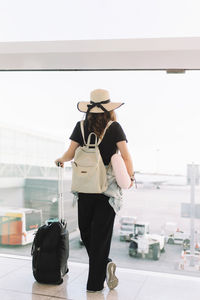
{"x": 18, "y": 226}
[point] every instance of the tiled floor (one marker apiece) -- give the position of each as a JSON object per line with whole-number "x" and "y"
{"x": 17, "y": 283}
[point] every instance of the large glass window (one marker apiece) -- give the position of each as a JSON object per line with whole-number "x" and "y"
{"x": 161, "y": 120}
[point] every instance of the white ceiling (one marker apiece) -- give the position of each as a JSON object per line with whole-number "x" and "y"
{"x": 36, "y": 20}
{"x": 115, "y": 54}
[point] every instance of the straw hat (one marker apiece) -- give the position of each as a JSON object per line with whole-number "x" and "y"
{"x": 99, "y": 102}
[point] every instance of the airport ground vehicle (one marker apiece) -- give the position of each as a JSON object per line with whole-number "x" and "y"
{"x": 126, "y": 227}
{"x": 178, "y": 237}
{"x": 173, "y": 234}
{"x": 146, "y": 244}
{"x": 18, "y": 225}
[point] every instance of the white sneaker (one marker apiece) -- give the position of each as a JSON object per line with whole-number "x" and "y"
{"x": 111, "y": 279}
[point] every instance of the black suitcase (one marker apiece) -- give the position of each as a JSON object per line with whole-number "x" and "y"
{"x": 50, "y": 248}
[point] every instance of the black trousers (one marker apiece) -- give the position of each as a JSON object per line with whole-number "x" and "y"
{"x": 96, "y": 219}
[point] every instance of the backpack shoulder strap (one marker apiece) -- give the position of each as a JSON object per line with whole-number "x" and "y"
{"x": 82, "y": 131}
{"x": 107, "y": 126}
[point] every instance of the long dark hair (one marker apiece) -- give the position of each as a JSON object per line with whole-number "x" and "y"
{"x": 96, "y": 122}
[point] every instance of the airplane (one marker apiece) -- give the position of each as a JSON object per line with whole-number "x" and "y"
{"x": 149, "y": 180}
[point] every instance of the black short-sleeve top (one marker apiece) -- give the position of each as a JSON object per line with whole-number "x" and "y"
{"x": 108, "y": 145}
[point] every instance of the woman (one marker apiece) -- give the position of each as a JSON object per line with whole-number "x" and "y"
{"x": 96, "y": 212}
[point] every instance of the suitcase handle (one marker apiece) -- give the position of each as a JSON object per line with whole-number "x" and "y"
{"x": 60, "y": 192}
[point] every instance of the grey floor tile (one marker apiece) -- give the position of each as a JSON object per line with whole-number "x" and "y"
{"x": 129, "y": 286}
{"x": 76, "y": 270}
{"x": 171, "y": 287}
{"x": 22, "y": 280}
{"x": 12, "y": 295}
{"x": 17, "y": 282}
{"x": 10, "y": 265}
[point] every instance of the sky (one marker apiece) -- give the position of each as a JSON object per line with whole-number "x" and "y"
{"x": 160, "y": 116}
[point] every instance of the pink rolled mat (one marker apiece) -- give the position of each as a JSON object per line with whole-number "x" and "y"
{"x": 120, "y": 171}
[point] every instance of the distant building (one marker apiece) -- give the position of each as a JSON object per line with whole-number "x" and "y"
{"x": 26, "y": 149}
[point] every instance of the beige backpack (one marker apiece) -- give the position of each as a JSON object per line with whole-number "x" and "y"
{"x": 88, "y": 169}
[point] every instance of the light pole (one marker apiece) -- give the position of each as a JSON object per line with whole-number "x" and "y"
{"x": 193, "y": 179}
{"x": 192, "y": 209}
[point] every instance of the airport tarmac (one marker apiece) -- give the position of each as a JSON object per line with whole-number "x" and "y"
{"x": 155, "y": 206}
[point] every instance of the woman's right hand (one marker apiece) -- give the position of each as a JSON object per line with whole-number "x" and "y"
{"x": 131, "y": 184}
{"x": 59, "y": 161}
